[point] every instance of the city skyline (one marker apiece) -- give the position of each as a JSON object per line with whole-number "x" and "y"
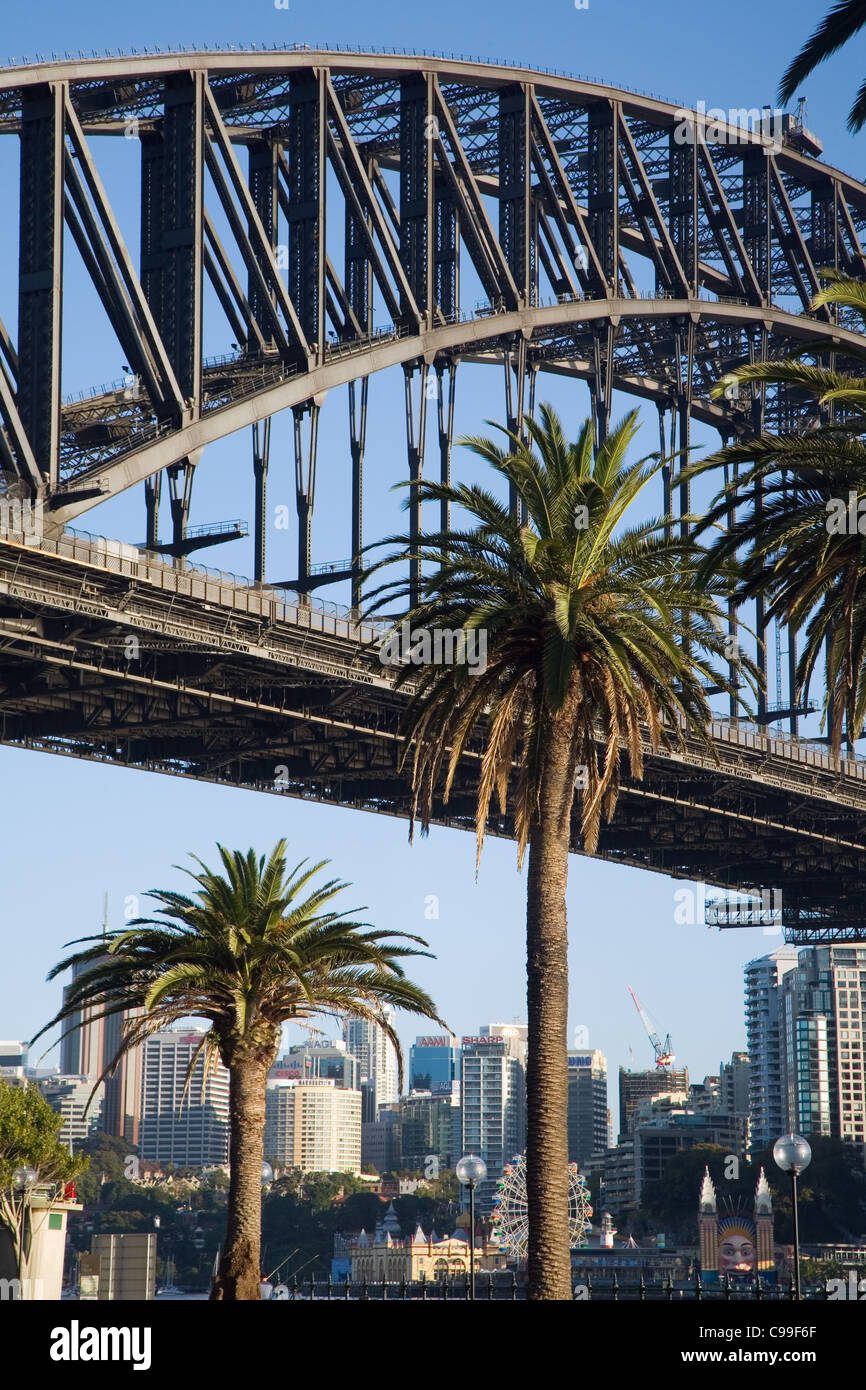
{"x": 487, "y": 917}
{"x": 108, "y": 827}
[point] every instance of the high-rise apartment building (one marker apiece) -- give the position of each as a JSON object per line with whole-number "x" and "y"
{"x": 187, "y": 1125}
{"x": 767, "y": 1100}
{"x": 587, "y": 1104}
{"x": 822, "y": 1022}
{"x": 493, "y": 1101}
{"x": 314, "y": 1126}
{"x": 734, "y": 1084}
{"x": 374, "y": 1050}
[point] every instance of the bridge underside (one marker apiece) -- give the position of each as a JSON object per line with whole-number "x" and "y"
{"x": 158, "y": 669}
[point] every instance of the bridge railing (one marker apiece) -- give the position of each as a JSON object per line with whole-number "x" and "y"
{"x": 236, "y": 592}
{"x": 336, "y": 48}
{"x": 215, "y": 586}
{"x": 786, "y": 746}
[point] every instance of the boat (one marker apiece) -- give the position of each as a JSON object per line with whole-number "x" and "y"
{"x": 169, "y": 1288}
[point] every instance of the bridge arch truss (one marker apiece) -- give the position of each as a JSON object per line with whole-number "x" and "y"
{"x": 344, "y": 213}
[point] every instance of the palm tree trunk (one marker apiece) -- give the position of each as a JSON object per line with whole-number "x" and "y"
{"x": 239, "y": 1275}
{"x": 549, "y": 1263}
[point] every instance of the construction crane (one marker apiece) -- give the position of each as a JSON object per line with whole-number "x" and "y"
{"x": 663, "y": 1052}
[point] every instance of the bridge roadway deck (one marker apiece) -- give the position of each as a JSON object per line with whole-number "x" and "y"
{"x": 108, "y": 653}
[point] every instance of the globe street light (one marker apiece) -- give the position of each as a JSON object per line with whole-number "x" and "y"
{"x": 23, "y": 1181}
{"x": 471, "y": 1170}
{"x": 793, "y": 1155}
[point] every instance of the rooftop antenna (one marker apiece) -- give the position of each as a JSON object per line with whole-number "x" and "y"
{"x": 105, "y": 914}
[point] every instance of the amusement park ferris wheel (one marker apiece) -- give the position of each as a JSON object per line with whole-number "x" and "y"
{"x": 510, "y": 1214}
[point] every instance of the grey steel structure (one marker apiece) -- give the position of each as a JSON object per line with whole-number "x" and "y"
{"x": 342, "y": 210}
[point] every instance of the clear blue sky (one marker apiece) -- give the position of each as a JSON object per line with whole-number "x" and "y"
{"x": 73, "y": 830}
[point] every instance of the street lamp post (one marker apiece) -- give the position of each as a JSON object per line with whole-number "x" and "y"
{"x": 23, "y": 1182}
{"x": 471, "y": 1170}
{"x": 793, "y": 1155}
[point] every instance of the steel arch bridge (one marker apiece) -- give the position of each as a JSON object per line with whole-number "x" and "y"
{"x": 325, "y": 216}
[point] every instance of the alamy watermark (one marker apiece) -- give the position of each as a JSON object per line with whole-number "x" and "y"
{"x": 718, "y": 127}
{"x": 421, "y": 646}
{"x": 846, "y": 518}
{"x": 729, "y": 908}
{"x": 22, "y": 516}
{"x": 21, "y": 1290}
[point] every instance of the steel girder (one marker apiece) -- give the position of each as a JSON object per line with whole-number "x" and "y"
{"x": 345, "y": 214}
{"x": 600, "y": 201}
{"x": 110, "y": 654}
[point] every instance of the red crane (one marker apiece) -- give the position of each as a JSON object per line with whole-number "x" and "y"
{"x": 663, "y": 1052}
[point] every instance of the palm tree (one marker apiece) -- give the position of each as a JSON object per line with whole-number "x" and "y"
{"x": 248, "y": 952}
{"x": 841, "y": 23}
{"x": 594, "y": 632}
{"x": 799, "y": 516}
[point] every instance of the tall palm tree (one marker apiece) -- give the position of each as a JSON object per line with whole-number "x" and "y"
{"x": 248, "y": 951}
{"x": 595, "y": 632}
{"x": 800, "y": 501}
{"x": 841, "y": 23}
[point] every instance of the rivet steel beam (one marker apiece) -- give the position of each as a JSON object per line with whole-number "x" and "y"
{"x": 40, "y": 278}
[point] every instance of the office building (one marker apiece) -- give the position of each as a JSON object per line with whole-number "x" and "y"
{"x": 121, "y": 1108}
{"x": 82, "y": 1049}
{"x": 375, "y": 1052}
{"x": 314, "y": 1125}
{"x": 430, "y": 1131}
{"x": 514, "y": 1035}
{"x": 663, "y": 1128}
{"x": 89, "y": 1048}
{"x": 13, "y": 1060}
{"x": 184, "y": 1124}
{"x": 321, "y": 1061}
{"x": 617, "y": 1192}
{"x": 767, "y": 1098}
{"x": 434, "y": 1064}
{"x": 587, "y": 1104}
{"x": 636, "y": 1086}
{"x": 380, "y": 1141}
{"x": 74, "y": 1098}
{"x": 493, "y": 1101}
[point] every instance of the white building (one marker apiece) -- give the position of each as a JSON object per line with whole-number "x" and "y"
{"x": 70, "y": 1096}
{"x": 515, "y": 1036}
{"x": 493, "y": 1099}
{"x": 823, "y": 1019}
{"x": 189, "y": 1130}
{"x": 13, "y": 1060}
{"x": 314, "y": 1126}
{"x": 374, "y": 1050}
{"x": 767, "y": 1100}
